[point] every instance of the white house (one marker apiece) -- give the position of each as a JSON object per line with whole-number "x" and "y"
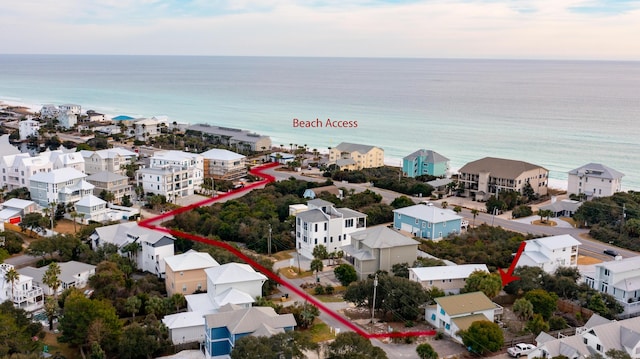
{"x": 23, "y": 293}
{"x": 29, "y": 128}
{"x": 17, "y": 169}
{"x": 550, "y": 253}
{"x": 152, "y": 246}
{"x": 71, "y": 108}
{"x": 72, "y": 275}
{"x": 173, "y": 174}
{"x": 145, "y": 128}
{"x": 599, "y": 335}
{"x": 112, "y": 160}
{"x": 323, "y": 224}
{"x": 49, "y": 111}
{"x": 66, "y": 159}
{"x": 457, "y": 312}
{"x": 65, "y": 185}
{"x": 67, "y": 118}
{"x": 594, "y": 180}
{"x": 450, "y": 279}
{"x": 619, "y": 278}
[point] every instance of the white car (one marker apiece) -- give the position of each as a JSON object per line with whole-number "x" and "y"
{"x": 520, "y": 349}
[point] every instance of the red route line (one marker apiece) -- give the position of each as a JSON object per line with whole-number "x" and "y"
{"x": 258, "y": 171}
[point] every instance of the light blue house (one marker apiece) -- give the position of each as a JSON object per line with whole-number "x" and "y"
{"x": 425, "y": 162}
{"x": 224, "y": 328}
{"x": 427, "y": 221}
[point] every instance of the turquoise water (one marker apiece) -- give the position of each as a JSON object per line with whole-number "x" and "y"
{"x": 558, "y": 114}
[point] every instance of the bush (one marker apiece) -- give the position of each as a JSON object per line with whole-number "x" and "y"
{"x": 522, "y": 211}
{"x": 557, "y": 323}
{"x": 318, "y": 290}
{"x": 329, "y": 289}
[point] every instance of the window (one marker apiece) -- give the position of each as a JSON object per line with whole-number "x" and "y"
{"x": 184, "y": 287}
{"x": 416, "y": 221}
{"x": 585, "y": 340}
{"x": 331, "y": 239}
{"x": 181, "y": 274}
{"x": 325, "y": 226}
{"x": 339, "y": 237}
{"x": 315, "y": 241}
{"x": 433, "y": 316}
{"x": 442, "y": 311}
{"x": 315, "y": 227}
{"x": 599, "y": 347}
{"x": 424, "y": 224}
{"x": 447, "y": 326}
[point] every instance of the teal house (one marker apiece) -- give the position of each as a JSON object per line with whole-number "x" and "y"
{"x": 425, "y": 162}
{"x": 231, "y": 323}
{"x": 428, "y": 221}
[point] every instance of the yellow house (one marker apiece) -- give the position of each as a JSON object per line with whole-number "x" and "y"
{"x": 185, "y": 272}
{"x": 352, "y": 156}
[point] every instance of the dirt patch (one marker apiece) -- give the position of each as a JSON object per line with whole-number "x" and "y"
{"x": 544, "y": 223}
{"x": 586, "y": 260}
{"x": 66, "y": 226}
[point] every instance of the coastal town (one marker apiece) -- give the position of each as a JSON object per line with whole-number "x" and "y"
{"x": 422, "y": 261}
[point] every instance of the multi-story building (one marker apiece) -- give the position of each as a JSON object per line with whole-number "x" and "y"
{"x": 594, "y": 180}
{"x": 116, "y": 184}
{"x": 112, "y": 160}
{"x": 71, "y": 108}
{"x": 550, "y": 253}
{"x": 185, "y": 273}
{"x": 619, "y": 278}
{"x": 22, "y": 292}
{"x": 49, "y": 111}
{"x": 72, "y": 275}
{"x": 425, "y": 162}
{"x": 428, "y": 221}
{"x": 323, "y": 224}
{"x": 146, "y": 247}
{"x": 221, "y": 164}
{"x": 146, "y": 128}
{"x": 352, "y": 156}
{"x": 241, "y": 140}
{"x": 172, "y": 174}
{"x": 378, "y": 249}
{"x": 64, "y": 185}
{"x": 29, "y": 128}
{"x": 17, "y": 169}
{"x": 488, "y": 176}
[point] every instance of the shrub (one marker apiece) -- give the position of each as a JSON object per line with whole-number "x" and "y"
{"x": 329, "y": 289}
{"x": 318, "y": 290}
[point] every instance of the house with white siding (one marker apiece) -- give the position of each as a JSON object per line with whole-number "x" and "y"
{"x": 173, "y": 174}
{"x": 64, "y": 185}
{"x": 29, "y": 128}
{"x": 619, "y": 278}
{"x": 550, "y": 253}
{"x": 23, "y": 292}
{"x": 72, "y": 275}
{"x": 594, "y": 180}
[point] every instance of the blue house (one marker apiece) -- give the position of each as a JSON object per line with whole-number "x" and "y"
{"x": 224, "y": 328}
{"x": 425, "y": 162}
{"x": 427, "y": 221}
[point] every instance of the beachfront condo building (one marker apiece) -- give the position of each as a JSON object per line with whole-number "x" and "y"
{"x": 594, "y": 180}
{"x": 488, "y": 176}
{"x": 323, "y": 224}
{"x": 235, "y": 138}
{"x": 352, "y": 156}
{"x": 425, "y": 162}
{"x": 221, "y": 164}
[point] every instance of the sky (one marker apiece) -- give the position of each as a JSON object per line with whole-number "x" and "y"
{"x": 527, "y": 29}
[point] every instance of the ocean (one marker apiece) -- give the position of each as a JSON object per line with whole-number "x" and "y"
{"x": 558, "y": 114}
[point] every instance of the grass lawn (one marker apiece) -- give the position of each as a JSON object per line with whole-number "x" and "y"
{"x": 292, "y": 273}
{"x": 51, "y": 340}
{"x": 320, "y": 332}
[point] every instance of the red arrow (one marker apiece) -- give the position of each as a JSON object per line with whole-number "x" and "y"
{"x": 508, "y": 277}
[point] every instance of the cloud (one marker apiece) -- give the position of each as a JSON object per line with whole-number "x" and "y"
{"x": 388, "y": 28}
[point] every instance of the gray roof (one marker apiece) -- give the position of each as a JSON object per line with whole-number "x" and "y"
{"x": 354, "y": 147}
{"x": 349, "y": 213}
{"x": 553, "y": 242}
{"x": 429, "y": 156}
{"x": 68, "y": 271}
{"x": 248, "y": 320}
{"x": 106, "y": 176}
{"x": 317, "y": 202}
{"x": 359, "y": 254}
{"x": 233, "y": 273}
{"x": 7, "y": 148}
{"x": 234, "y": 133}
{"x": 429, "y": 213}
{"x": 499, "y": 167}
{"x": 564, "y": 205}
{"x": 597, "y": 170}
{"x": 58, "y": 176}
{"x": 312, "y": 215}
{"x": 121, "y": 235}
{"x": 439, "y": 182}
{"x": 17, "y": 203}
{"x": 382, "y": 237}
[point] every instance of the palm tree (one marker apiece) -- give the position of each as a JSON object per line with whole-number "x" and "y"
{"x": 474, "y": 212}
{"x": 73, "y": 216}
{"x": 444, "y": 204}
{"x": 457, "y": 209}
{"x": 51, "y": 278}
{"x": 316, "y": 265}
{"x": 12, "y": 276}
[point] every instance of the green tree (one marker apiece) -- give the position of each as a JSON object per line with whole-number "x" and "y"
{"x": 457, "y": 209}
{"x": 544, "y": 303}
{"x": 488, "y": 283}
{"x": 401, "y": 202}
{"x": 178, "y": 301}
{"x": 107, "y": 281}
{"x": 316, "y": 266}
{"x": 11, "y": 276}
{"x": 400, "y": 270}
{"x": 350, "y": 345}
{"x": 425, "y": 351}
{"x": 16, "y": 331}
{"x": 536, "y": 325}
{"x": 51, "y": 278}
{"x": 346, "y": 274}
{"x": 523, "y": 309}
{"x": 34, "y": 221}
{"x": 80, "y": 312}
{"x": 51, "y": 309}
{"x": 143, "y": 341}
{"x": 156, "y": 306}
{"x": 290, "y": 344}
{"x": 304, "y": 314}
{"x": 132, "y": 305}
{"x": 320, "y": 252}
{"x": 482, "y": 337}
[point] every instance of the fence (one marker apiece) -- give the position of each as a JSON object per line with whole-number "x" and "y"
{"x": 570, "y": 307}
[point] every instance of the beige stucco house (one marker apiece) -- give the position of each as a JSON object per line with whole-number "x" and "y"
{"x": 352, "y": 156}
{"x": 379, "y": 248}
{"x": 488, "y": 176}
{"x": 185, "y": 272}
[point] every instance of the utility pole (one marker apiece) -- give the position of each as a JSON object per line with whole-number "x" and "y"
{"x": 269, "y": 241}
{"x": 495, "y": 211}
{"x": 373, "y": 305}
{"x": 624, "y": 215}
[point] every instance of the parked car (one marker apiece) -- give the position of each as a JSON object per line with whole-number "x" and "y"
{"x": 520, "y": 349}
{"x": 611, "y": 252}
